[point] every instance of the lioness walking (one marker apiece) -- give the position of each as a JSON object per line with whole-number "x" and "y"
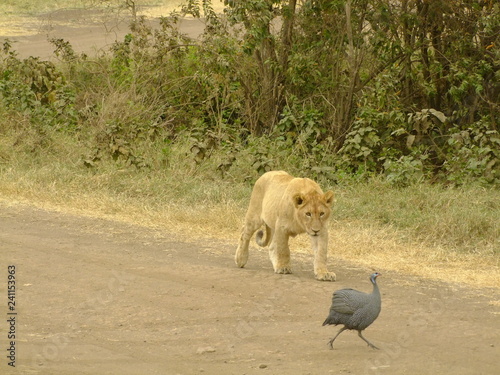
{"x": 287, "y": 206}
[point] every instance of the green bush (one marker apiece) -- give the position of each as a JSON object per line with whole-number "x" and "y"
{"x": 360, "y": 87}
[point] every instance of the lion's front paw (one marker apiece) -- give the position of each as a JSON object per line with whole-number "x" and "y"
{"x": 283, "y": 270}
{"x": 326, "y": 276}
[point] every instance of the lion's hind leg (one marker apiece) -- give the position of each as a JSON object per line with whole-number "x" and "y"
{"x": 241, "y": 256}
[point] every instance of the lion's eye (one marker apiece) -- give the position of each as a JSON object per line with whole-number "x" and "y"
{"x": 308, "y": 214}
{"x": 321, "y": 214}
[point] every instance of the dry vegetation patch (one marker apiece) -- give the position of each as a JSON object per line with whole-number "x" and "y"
{"x": 199, "y": 216}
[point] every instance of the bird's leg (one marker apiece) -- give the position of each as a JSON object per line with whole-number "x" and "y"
{"x": 368, "y": 342}
{"x": 332, "y": 340}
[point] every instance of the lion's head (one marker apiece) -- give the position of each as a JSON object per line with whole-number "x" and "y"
{"x": 313, "y": 210}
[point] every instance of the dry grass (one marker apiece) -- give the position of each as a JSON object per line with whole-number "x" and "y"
{"x": 378, "y": 248}
{"x": 189, "y": 200}
{"x": 195, "y": 203}
{"x": 369, "y": 246}
{"x": 15, "y": 15}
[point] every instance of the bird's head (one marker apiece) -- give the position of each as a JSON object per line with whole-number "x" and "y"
{"x": 374, "y": 276}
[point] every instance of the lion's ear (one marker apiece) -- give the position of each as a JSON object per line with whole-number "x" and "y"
{"x": 328, "y": 197}
{"x": 298, "y": 199}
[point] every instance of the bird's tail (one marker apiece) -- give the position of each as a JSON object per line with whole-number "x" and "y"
{"x": 329, "y": 321}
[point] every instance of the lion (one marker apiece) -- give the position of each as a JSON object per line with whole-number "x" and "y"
{"x": 287, "y": 206}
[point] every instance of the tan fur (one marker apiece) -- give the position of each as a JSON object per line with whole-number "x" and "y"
{"x": 287, "y": 206}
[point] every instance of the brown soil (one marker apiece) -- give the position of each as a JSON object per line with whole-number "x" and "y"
{"x": 101, "y": 297}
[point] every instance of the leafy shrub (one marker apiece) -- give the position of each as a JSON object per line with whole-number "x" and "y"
{"x": 37, "y": 89}
{"x": 474, "y": 156}
{"x": 408, "y": 91}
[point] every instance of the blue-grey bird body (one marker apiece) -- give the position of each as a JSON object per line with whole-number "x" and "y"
{"x": 355, "y": 310}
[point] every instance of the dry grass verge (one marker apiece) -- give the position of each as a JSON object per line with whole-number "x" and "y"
{"x": 369, "y": 246}
{"x": 427, "y": 231}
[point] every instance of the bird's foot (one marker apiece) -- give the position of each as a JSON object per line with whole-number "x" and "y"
{"x": 372, "y": 346}
{"x": 368, "y": 342}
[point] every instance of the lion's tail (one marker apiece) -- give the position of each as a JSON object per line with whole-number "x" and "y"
{"x": 259, "y": 238}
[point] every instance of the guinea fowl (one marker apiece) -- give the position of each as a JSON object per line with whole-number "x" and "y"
{"x": 355, "y": 310}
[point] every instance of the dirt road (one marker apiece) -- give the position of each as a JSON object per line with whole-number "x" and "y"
{"x": 100, "y": 297}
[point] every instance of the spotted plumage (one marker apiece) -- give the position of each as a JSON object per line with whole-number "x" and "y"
{"x": 355, "y": 310}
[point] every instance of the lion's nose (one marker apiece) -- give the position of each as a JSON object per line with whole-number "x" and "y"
{"x": 315, "y": 232}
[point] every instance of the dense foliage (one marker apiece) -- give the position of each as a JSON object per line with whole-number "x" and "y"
{"x": 329, "y": 88}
